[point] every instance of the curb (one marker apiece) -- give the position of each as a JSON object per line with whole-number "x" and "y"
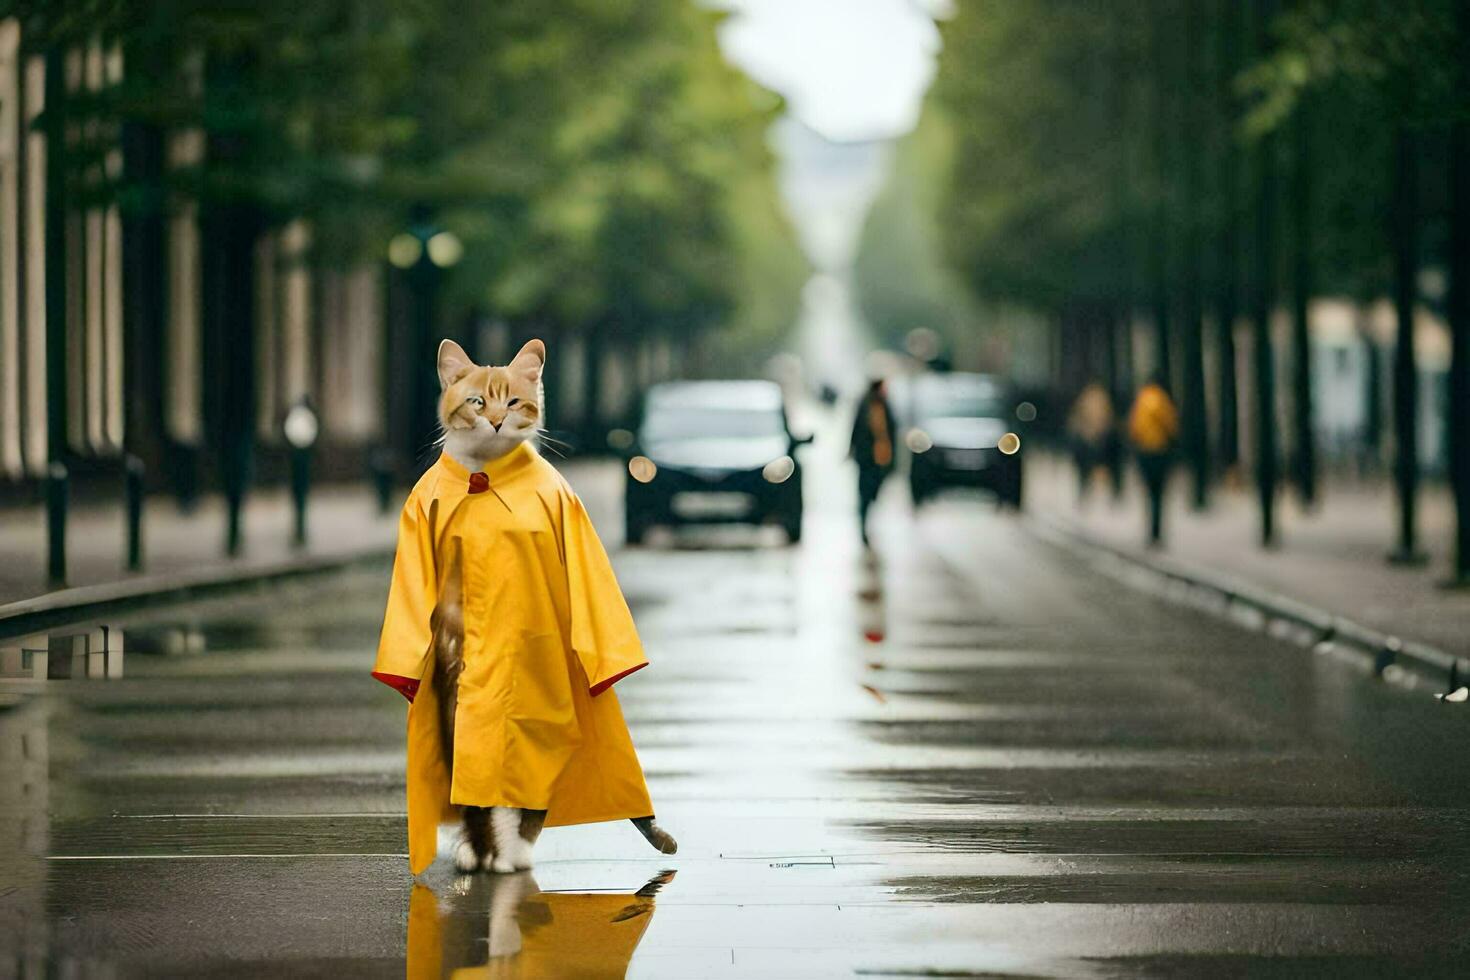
{"x": 66, "y": 606}
{"x": 1390, "y": 657}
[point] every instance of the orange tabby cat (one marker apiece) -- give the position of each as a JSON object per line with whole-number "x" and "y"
{"x": 485, "y": 413}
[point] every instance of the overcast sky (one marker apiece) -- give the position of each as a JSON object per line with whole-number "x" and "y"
{"x": 849, "y": 69}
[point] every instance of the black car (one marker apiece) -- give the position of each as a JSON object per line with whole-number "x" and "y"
{"x": 713, "y": 452}
{"x": 960, "y": 430}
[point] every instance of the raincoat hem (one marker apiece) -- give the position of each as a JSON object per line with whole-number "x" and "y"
{"x": 609, "y": 818}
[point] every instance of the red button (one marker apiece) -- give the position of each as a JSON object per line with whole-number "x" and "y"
{"x": 479, "y": 483}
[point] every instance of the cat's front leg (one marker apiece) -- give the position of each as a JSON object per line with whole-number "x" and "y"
{"x": 509, "y": 852}
{"x": 531, "y": 824}
{"x": 475, "y": 849}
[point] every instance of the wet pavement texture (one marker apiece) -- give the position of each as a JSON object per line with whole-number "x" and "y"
{"x": 978, "y": 756}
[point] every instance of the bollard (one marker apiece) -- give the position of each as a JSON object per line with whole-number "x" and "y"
{"x": 234, "y": 504}
{"x": 56, "y": 505}
{"x": 300, "y": 488}
{"x": 133, "y": 473}
{"x": 301, "y": 429}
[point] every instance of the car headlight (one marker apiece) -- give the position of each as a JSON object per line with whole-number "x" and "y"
{"x": 918, "y": 441}
{"x": 1010, "y": 444}
{"x": 642, "y": 469}
{"x": 779, "y": 470}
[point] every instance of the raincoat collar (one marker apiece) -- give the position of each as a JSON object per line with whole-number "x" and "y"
{"x": 463, "y": 481}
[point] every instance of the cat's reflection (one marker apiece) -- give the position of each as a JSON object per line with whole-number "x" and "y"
{"x": 489, "y": 926}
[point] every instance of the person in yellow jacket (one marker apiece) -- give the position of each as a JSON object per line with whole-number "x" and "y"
{"x": 1153, "y": 428}
{"x": 506, "y": 630}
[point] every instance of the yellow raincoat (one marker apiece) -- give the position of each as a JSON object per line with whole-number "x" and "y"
{"x": 546, "y": 633}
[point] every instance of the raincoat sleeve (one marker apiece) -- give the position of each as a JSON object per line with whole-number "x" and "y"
{"x": 602, "y": 632}
{"x": 403, "y": 647}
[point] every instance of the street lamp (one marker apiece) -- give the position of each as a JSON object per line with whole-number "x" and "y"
{"x": 421, "y": 253}
{"x": 442, "y": 249}
{"x": 301, "y": 429}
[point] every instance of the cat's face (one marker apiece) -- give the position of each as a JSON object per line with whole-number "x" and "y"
{"x": 486, "y": 410}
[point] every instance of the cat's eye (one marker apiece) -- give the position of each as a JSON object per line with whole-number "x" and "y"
{"x": 512, "y": 403}
{"x": 476, "y": 401}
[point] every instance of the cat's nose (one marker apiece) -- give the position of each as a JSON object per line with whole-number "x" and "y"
{"x": 496, "y": 418}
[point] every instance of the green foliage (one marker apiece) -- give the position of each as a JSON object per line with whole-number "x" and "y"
{"x": 1037, "y": 193}
{"x": 1397, "y": 58}
{"x": 1073, "y": 122}
{"x": 601, "y": 162}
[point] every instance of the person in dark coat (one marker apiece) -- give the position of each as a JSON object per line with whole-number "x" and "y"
{"x": 872, "y": 448}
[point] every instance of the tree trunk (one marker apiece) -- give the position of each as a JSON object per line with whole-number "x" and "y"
{"x": 1372, "y": 434}
{"x": 1121, "y": 381}
{"x": 1264, "y": 296}
{"x": 1458, "y": 422}
{"x": 1304, "y": 458}
{"x": 1109, "y": 327}
{"x": 1191, "y": 328}
{"x": 144, "y": 296}
{"x": 1227, "y": 296}
{"x": 54, "y": 121}
{"x": 229, "y": 236}
{"x": 593, "y": 436}
{"x": 1159, "y": 230}
{"x": 1405, "y": 371}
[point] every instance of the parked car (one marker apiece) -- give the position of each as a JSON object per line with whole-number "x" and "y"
{"x": 960, "y": 431}
{"x": 710, "y": 452}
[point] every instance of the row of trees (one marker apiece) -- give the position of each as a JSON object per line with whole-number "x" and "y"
{"x": 1200, "y": 164}
{"x": 604, "y": 168}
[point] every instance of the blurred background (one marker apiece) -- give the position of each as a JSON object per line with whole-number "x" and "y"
{"x": 212, "y": 214}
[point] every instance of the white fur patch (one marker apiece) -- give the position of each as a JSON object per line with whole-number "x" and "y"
{"x": 505, "y": 826}
{"x": 465, "y": 860}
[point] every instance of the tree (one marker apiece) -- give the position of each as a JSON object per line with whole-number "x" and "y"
{"x": 602, "y": 165}
{"x": 1396, "y": 66}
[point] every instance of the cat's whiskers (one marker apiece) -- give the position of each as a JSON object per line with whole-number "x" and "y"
{"x": 558, "y": 446}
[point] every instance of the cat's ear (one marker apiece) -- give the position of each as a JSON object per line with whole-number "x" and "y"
{"x": 530, "y": 360}
{"x": 454, "y": 363}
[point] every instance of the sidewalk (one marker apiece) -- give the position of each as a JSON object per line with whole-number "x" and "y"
{"x": 1332, "y": 558}
{"x": 343, "y": 524}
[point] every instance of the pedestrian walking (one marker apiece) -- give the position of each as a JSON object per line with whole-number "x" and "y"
{"x": 1090, "y": 426}
{"x": 872, "y": 448}
{"x": 1153, "y": 427}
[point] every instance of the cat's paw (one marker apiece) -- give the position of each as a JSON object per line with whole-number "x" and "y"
{"x": 466, "y": 861}
{"x": 521, "y": 856}
{"x": 501, "y": 864}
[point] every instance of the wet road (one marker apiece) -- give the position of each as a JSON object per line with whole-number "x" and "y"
{"x": 979, "y": 757}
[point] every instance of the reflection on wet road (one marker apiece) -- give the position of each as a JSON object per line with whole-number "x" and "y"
{"x": 977, "y": 756}
{"x": 505, "y": 925}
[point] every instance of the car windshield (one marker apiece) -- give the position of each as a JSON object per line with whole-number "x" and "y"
{"x": 958, "y": 399}
{"x": 710, "y": 422}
